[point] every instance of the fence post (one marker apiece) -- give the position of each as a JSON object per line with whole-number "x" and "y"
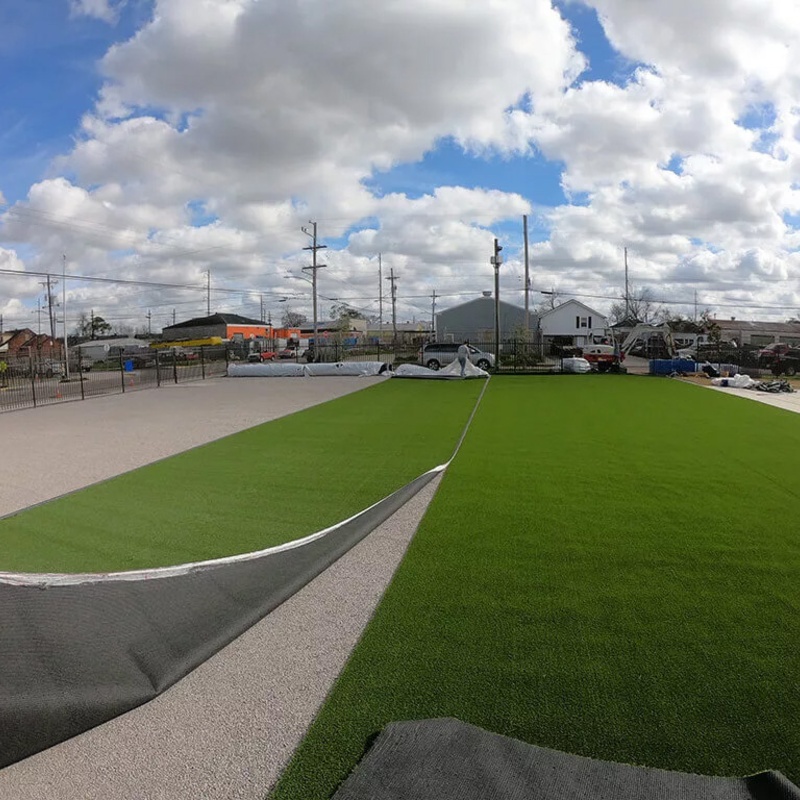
{"x": 33, "y": 380}
{"x": 80, "y": 374}
{"x": 175, "y": 364}
{"x": 203, "y": 361}
{"x": 121, "y": 372}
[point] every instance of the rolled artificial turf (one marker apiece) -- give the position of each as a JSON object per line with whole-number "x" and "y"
{"x": 610, "y": 568}
{"x": 255, "y": 489}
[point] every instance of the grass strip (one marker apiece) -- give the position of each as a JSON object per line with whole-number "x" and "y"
{"x": 257, "y": 488}
{"x": 610, "y": 568}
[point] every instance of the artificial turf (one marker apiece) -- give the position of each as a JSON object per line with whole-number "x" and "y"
{"x": 257, "y": 488}
{"x": 611, "y": 567}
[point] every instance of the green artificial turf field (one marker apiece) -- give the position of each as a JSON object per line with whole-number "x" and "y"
{"x": 255, "y": 489}
{"x": 611, "y": 567}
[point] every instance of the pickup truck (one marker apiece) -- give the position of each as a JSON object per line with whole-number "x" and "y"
{"x": 787, "y": 363}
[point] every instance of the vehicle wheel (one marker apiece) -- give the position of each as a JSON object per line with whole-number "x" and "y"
{"x": 790, "y": 370}
{"x": 433, "y": 364}
{"x": 48, "y": 373}
{"x": 484, "y": 365}
{"x": 602, "y": 366}
{"x": 776, "y": 370}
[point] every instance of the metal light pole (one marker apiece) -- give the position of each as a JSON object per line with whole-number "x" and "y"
{"x": 496, "y": 261}
{"x": 64, "y": 304}
{"x": 314, "y": 267}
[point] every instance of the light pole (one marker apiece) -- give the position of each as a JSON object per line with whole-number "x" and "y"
{"x": 314, "y": 267}
{"x": 496, "y": 260}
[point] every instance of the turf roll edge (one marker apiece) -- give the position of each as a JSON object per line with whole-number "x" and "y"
{"x": 74, "y": 656}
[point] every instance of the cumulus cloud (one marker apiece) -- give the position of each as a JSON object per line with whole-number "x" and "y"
{"x": 104, "y": 10}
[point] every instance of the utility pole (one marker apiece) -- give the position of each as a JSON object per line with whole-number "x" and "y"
{"x": 393, "y": 280}
{"x": 627, "y": 291}
{"x": 496, "y": 260}
{"x": 527, "y": 279}
{"x": 64, "y": 309}
{"x": 695, "y": 306}
{"x": 50, "y": 305}
{"x": 261, "y": 298}
{"x": 380, "y": 299}
{"x": 38, "y": 314}
{"x": 433, "y": 316}
{"x": 208, "y": 292}
{"x": 91, "y": 324}
{"x": 313, "y": 247}
{"x": 173, "y": 316}
{"x": 149, "y": 322}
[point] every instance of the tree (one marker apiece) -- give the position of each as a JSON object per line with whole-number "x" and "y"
{"x": 551, "y": 299}
{"x": 293, "y": 319}
{"x": 342, "y": 311}
{"x": 641, "y": 307}
{"x": 92, "y": 327}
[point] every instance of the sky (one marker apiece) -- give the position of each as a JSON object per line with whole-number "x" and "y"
{"x": 161, "y": 142}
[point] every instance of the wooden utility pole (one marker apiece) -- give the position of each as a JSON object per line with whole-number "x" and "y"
{"x": 627, "y": 291}
{"x": 208, "y": 292}
{"x": 433, "y": 315}
{"x": 527, "y": 278}
{"x": 313, "y": 247}
{"x": 380, "y": 299}
{"x": 393, "y": 280}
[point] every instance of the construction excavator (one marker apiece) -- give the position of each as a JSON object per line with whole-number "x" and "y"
{"x": 647, "y": 341}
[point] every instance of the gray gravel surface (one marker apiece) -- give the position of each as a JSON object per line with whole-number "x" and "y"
{"x": 52, "y": 450}
{"x": 228, "y": 729}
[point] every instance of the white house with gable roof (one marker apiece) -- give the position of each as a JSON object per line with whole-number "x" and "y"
{"x": 571, "y": 320}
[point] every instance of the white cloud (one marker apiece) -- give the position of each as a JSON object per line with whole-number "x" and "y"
{"x": 105, "y": 10}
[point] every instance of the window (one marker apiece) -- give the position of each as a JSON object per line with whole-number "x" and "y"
{"x": 583, "y": 322}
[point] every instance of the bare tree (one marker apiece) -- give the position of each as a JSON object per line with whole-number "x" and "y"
{"x": 551, "y": 300}
{"x": 293, "y": 319}
{"x": 641, "y": 307}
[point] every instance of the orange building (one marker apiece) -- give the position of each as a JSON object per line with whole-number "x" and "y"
{"x": 226, "y": 326}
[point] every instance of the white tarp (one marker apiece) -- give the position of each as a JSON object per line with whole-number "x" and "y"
{"x": 451, "y": 372}
{"x": 280, "y": 370}
{"x": 736, "y": 382}
{"x": 358, "y": 368}
{"x": 291, "y": 369}
{"x": 579, "y": 365}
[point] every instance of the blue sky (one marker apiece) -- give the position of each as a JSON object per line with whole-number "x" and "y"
{"x": 671, "y": 142}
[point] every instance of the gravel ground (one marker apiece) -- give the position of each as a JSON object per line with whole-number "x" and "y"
{"x": 227, "y": 729}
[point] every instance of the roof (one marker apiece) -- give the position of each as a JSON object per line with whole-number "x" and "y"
{"x": 216, "y": 319}
{"x": 593, "y": 311}
{"x": 488, "y": 301}
{"x": 754, "y": 326}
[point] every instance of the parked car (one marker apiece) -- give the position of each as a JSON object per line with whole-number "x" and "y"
{"x": 258, "y": 358}
{"x": 766, "y": 356}
{"x": 435, "y": 355}
{"x": 288, "y": 352}
{"x": 787, "y": 363}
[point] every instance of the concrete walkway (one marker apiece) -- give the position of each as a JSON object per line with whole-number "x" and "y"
{"x": 227, "y": 729}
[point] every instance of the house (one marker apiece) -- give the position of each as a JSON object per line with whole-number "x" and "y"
{"x": 570, "y": 323}
{"x": 226, "y": 326}
{"x": 474, "y": 320}
{"x": 24, "y": 343}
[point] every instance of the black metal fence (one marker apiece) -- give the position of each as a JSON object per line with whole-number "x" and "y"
{"x": 31, "y": 381}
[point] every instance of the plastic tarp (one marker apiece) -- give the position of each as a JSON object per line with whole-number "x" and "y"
{"x": 77, "y": 650}
{"x": 288, "y": 369}
{"x": 575, "y": 365}
{"x": 451, "y": 372}
{"x": 358, "y": 368}
{"x": 445, "y": 759}
{"x": 292, "y": 369}
{"x": 736, "y": 382}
